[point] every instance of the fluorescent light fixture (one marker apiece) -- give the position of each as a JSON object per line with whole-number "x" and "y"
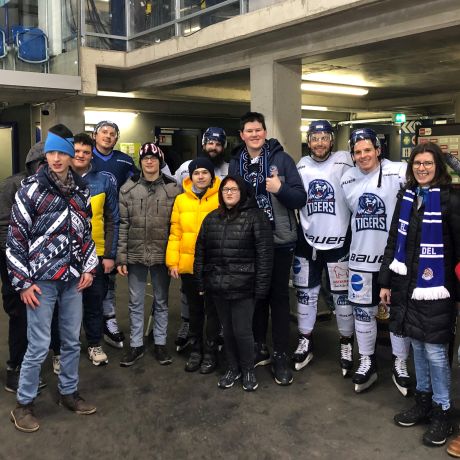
{"x": 122, "y": 119}
{"x": 342, "y": 79}
{"x": 334, "y": 89}
{"x": 318, "y": 108}
{"x": 115, "y": 94}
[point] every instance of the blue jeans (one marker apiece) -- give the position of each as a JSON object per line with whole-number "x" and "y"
{"x": 137, "y": 277}
{"x": 432, "y": 370}
{"x": 39, "y": 337}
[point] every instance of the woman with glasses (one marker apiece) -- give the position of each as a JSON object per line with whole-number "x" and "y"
{"x": 233, "y": 265}
{"x": 417, "y": 277}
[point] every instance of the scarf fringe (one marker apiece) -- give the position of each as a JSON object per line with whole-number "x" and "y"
{"x": 432, "y": 293}
{"x": 398, "y": 267}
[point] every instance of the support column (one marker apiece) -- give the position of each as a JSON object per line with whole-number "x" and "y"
{"x": 457, "y": 108}
{"x": 69, "y": 112}
{"x": 275, "y": 92}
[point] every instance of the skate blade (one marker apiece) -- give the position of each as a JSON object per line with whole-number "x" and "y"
{"x": 304, "y": 363}
{"x": 346, "y": 373}
{"x": 180, "y": 348}
{"x": 360, "y": 387}
{"x": 112, "y": 343}
{"x": 403, "y": 390}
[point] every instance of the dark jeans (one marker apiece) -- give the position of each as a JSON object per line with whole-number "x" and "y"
{"x": 236, "y": 319}
{"x": 278, "y": 301}
{"x": 200, "y": 307}
{"x": 93, "y": 297}
{"x": 17, "y": 313}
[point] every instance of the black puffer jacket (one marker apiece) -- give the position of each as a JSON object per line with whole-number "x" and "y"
{"x": 430, "y": 321}
{"x": 234, "y": 256}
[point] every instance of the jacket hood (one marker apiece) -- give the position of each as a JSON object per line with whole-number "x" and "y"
{"x": 246, "y": 194}
{"x": 34, "y": 157}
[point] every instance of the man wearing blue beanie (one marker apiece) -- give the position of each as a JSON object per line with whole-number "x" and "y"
{"x": 51, "y": 258}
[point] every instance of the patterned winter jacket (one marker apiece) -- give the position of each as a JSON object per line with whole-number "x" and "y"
{"x": 49, "y": 237}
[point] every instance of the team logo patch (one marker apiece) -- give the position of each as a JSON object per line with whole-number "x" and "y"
{"x": 428, "y": 274}
{"x": 342, "y": 300}
{"x": 361, "y": 315}
{"x": 356, "y": 282}
{"x": 296, "y": 266}
{"x": 302, "y": 297}
{"x": 321, "y": 198}
{"x": 371, "y": 213}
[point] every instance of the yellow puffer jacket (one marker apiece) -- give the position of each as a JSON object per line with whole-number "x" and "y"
{"x": 186, "y": 218}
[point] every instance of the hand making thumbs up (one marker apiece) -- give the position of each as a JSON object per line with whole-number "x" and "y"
{"x": 273, "y": 183}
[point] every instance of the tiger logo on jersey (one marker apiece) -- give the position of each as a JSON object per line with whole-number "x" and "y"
{"x": 321, "y": 197}
{"x": 371, "y": 213}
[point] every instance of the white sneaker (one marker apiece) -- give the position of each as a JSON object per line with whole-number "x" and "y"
{"x": 57, "y": 364}
{"x": 97, "y": 355}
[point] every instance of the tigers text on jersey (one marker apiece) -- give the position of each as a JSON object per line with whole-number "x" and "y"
{"x": 372, "y": 210}
{"x": 325, "y": 217}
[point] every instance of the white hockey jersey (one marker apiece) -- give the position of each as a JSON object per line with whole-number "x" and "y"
{"x": 372, "y": 211}
{"x": 182, "y": 171}
{"x": 325, "y": 217}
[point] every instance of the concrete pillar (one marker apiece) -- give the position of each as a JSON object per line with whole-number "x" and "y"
{"x": 275, "y": 92}
{"x": 69, "y": 112}
{"x": 457, "y": 108}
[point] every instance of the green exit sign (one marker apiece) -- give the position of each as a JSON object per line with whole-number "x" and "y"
{"x": 399, "y": 117}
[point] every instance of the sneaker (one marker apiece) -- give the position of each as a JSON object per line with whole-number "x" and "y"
{"x": 194, "y": 361}
{"x": 161, "y": 355}
{"x": 304, "y": 352}
{"x": 249, "y": 380}
{"x": 131, "y": 356}
{"x": 97, "y": 355}
{"x": 24, "y": 419}
{"x": 280, "y": 369}
{"x": 209, "y": 362}
{"x": 77, "y": 404}
{"x": 420, "y": 413}
{"x": 440, "y": 427}
{"x": 366, "y": 375}
{"x": 401, "y": 377}
{"x": 56, "y": 364}
{"x": 112, "y": 335}
{"x": 229, "y": 378}
{"x": 183, "y": 340}
{"x": 261, "y": 354}
{"x": 346, "y": 355}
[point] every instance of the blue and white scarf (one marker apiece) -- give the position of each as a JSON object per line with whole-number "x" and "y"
{"x": 430, "y": 277}
{"x": 258, "y": 179}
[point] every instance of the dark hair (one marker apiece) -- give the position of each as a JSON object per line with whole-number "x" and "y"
{"x": 61, "y": 131}
{"x": 248, "y": 117}
{"x": 83, "y": 138}
{"x": 233, "y": 212}
{"x": 441, "y": 175}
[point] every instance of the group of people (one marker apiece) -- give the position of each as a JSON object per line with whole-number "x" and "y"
{"x": 385, "y": 233}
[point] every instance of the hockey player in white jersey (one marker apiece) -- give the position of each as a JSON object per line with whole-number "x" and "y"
{"x": 323, "y": 243}
{"x": 370, "y": 190}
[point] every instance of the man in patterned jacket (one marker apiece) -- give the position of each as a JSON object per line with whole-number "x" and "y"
{"x": 51, "y": 258}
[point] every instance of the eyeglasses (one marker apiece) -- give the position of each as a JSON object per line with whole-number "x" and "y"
{"x": 320, "y": 139}
{"x": 149, "y": 158}
{"x": 426, "y": 164}
{"x": 230, "y": 190}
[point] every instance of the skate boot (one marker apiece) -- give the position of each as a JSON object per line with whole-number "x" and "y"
{"x": 183, "y": 340}
{"x": 304, "y": 353}
{"x": 401, "y": 377}
{"x": 366, "y": 375}
{"x": 112, "y": 335}
{"x": 346, "y": 355}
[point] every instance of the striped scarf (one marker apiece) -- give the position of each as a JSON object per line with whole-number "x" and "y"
{"x": 430, "y": 276}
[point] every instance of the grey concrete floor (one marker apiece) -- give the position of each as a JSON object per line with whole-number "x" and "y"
{"x": 161, "y": 412}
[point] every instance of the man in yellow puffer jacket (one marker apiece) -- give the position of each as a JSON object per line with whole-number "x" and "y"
{"x": 190, "y": 208}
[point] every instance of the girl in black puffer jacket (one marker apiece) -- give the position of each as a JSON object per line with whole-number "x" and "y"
{"x": 233, "y": 264}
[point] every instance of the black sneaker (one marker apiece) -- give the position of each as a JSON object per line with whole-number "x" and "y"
{"x": 261, "y": 354}
{"x": 209, "y": 362}
{"x": 249, "y": 380}
{"x": 229, "y": 378}
{"x": 12, "y": 381}
{"x": 161, "y": 355}
{"x": 131, "y": 356}
{"x": 420, "y": 413}
{"x": 440, "y": 427}
{"x": 183, "y": 339}
{"x": 280, "y": 368}
{"x": 112, "y": 335}
{"x": 194, "y": 361}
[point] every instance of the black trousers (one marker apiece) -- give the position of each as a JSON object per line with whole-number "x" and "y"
{"x": 278, "y": 302}
{"x": 202, "y": 312}
{"x": 17, "y": 313}
{"x": 236, "y": 319}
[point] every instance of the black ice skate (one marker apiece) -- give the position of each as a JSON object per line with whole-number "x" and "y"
{"x": 401, "y": 377}
{"x": 366, "y": 375}
{"x": 304, "y": 353}
{"x": 346, "y": 355}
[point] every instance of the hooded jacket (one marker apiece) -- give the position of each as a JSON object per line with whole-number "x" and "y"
{"x": 49, "y": 237}
{"x": 186, "y": 218}
{"x": 290, "y": 196}
{"x": 145, "y": 213}
{"x": 234, "y": 251}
